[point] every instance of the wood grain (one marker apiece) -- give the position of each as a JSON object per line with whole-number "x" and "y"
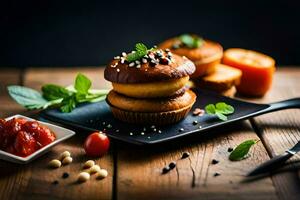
{"x": 281, "y": 130}
{"x": 139, "y": 169}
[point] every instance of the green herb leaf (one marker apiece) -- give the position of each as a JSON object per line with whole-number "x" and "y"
{"x": 68, "y": 104}
{"x": 82, "y": 84}
{"x": 221, "y": 109}
{"x": 140, "y": 51}
{"x": 210, "y": 109}
{"x": 242, "y": 150}
{"x": 224, "y": 108}
{"x": 53, "y": 92}
{"x": 191, "y": 41}
{"x": 27, "y": 97}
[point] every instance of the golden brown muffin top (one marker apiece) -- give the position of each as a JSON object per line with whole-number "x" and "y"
{"x": 156, "y": 65}
{"x": 205, "y": 50}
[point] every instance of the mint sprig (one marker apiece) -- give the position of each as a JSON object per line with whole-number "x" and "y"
{"x": 140, "y": 51}
{"x": 191, "y": 41}
{"x": 220, "y": 110}
{"x": 240, "y": 152}
{"x": 66, "y": 98}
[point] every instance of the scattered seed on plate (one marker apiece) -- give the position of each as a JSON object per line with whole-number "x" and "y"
{"x": 195, "y": 122}
{"x": 172, "y": 165}
{"x": 149, "y": 137}
{"x": 142, "y": 133}
{"x": 230, "y": 149}
{"x": 64, "y": 155}
{"x": 181, "y": 129}
{"x": 67, "y": 160}
{"x": 65, "y": 175}
{"x": 102, "y": 173}
{"x": 217, "y": 174}
{"x": 159, "y": 131}
{"x": 200, "y": 127}
{"x": 117, "y": 130}
{"x": 131, "y": 133}
{"x": 54, "y": 163}
{"x": 185, "y": 155}
{"x": 152, "y": 127}
{"x": 214, "y": 161}
{"x": 109, "y": 126}
{"x": 83, "y": 177}
{"x": 144, "y": 129}
{"x": 88, "y": 164}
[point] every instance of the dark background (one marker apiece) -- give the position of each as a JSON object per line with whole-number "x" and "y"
{"x": 81, "y": 33}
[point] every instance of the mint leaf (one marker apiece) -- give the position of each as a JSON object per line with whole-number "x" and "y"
{"x": 27, "y": 97}
{"x": 210, "y": 109}
{"x": 140, "y": 51}
{"x": 68, "y": 104}
{"x": 53, "y": 92}
{"x": 221, "y": 116}
{"x": 242, "y": 150}
{"x": 191, "y": 41}
{"x": 82, "y": 84}
{"x": 224, "y": 108}
{"x": 221, "y": 109}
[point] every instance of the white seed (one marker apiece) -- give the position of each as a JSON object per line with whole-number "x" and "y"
{"x": 64, "y": 154}
{"x": 138, "y": 66}
{"x": 124, "y": 54}
{"x": 83, "y": 177}
{"x": 102, "y": 174}
{"x": 137, "y": 62}
{"x": 94, "y": 169}
{"x": 88, "y": 164}
{"x": 144, "y": 60}
{"x": 117, "y": 57}
{"x": 118, "y": 70}
{"x": 67, "y": 160}
{"x": 54, "y": 163}
{"x": 122, "y": 60}
{"x": 131, "y": 64}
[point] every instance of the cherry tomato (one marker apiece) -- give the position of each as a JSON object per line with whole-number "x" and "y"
{"x": 24, "y": 144}
{"x": 96, "y": 144}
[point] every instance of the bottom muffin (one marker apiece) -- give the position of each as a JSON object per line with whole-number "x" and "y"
{"x": 158, "y": 111}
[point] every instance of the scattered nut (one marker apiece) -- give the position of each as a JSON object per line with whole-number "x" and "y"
{"x": 102, "y": 173}
{"x": 64, "y": 155}
{"x": 67, "y": 160}
{"x": 94, "y": 169}
{"x": 83, "y": 177}
{"x": 54, "y": 163}
{"x": 88, "y": 164}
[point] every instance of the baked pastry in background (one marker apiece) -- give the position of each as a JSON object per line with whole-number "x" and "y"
{"x": 149, "y": 86}
{"x": 223, "y": 80}
{"x": 205, "y": 54}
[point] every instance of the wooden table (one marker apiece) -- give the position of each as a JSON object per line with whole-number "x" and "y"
{"x": 135, "y": 172}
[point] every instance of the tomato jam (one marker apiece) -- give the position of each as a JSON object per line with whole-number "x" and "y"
{"x": 21, "y": 137}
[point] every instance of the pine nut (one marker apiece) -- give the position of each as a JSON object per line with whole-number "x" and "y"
{"x": 88, "y": 164}
{"x": 64, "y": 155}
{"x": 83, "y": 177}
{"x": 94, "y": 169}
{"x": 67, "y": 160}
{"x": 102, "y": 174}
{"x": 54, "y": 163}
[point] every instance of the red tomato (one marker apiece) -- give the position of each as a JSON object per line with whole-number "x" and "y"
{"x": 24, "y": 144}
{"x": 44, "y": 136}
{"x": 96, "y": 144}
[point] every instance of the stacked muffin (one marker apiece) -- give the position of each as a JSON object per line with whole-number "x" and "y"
{"x": 206, "y": 55}
{"x": 149, "y": 86}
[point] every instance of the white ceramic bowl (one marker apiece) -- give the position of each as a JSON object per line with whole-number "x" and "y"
{"x": 60, "y": 133}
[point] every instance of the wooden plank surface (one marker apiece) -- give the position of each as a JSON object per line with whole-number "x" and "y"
{"x": 139, "y": 170}
{"x": 281, "y": 130}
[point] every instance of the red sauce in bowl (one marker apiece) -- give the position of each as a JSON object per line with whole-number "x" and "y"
{"x": 21, "y": 137}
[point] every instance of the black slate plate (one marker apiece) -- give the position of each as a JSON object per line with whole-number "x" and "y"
{"x": 97, "y": 116}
